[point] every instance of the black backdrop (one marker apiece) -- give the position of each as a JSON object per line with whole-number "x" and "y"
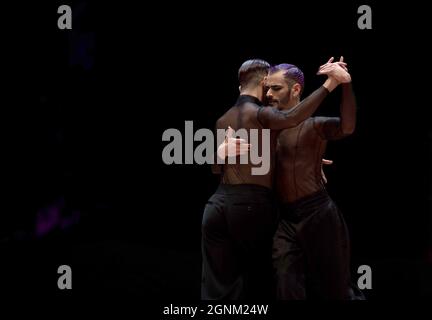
{"x": 86, "y": 109}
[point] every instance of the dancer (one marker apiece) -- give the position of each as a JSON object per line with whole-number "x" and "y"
{"x": 239, "y": 219}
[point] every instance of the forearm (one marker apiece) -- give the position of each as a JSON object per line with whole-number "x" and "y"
{"x": 308, "y": 106}
{"x": 330, "y": 84}
{"x": 278, "y": 120}
{"x": 348, "y": 109}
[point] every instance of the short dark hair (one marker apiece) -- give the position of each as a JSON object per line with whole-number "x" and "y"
{"x": 252, "y": 72}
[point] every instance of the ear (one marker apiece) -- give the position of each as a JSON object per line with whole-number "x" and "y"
{"x": 295, "y": 90}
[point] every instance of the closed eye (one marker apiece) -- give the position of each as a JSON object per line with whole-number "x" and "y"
{"x": 276, "y": 88}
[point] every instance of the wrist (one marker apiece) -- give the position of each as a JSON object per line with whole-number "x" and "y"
{"x": 330, "y": 84}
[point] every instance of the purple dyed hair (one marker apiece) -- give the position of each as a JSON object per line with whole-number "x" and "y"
{"x": 290, "y": 72}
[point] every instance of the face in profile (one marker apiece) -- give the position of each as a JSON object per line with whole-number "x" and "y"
{"x": 278, "y": 91}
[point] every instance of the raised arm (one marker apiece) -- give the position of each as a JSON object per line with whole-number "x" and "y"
{"x": 272, "y": 118}
{"x": 339, "y": 127}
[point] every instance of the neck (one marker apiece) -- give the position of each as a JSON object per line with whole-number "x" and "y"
{"x": 256, "y": 92}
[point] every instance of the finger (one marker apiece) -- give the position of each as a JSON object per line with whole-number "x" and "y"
{"x": 329, "y": 63}
{"x": 321, "y": 73}
{"x": 325, "y": 66}
{"x": 344, "y": 67}
{"x": 237, "y": 140}
{"x": 330, "y": 60}
{"x": 340, "y": 63}
{"x": 241, "y": 151}
{"x": 341, "y": 59}
{"x": 325, "y": 161}
{"x": 325, "y": 71}
{"x": 332, "y": 66}
{"x": 328, "y": 66}
{"x": 324, "y": 178}
{"x": 229, "y": 132}
{"x": 243, "y": 146}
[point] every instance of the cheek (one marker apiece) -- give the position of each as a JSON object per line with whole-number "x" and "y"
{"x": 285, "y": 95}
{"x": 279, "y": 94}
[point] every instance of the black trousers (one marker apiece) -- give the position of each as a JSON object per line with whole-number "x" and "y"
{"x": 237, "y": 232}
{"x": 311, "y": 251}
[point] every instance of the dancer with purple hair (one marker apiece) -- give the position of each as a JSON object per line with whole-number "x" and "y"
{"x": 239, "y": 219}
{"x": 311, "y": 252}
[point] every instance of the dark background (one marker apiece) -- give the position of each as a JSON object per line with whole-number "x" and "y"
{"x": 84, "y": 111}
